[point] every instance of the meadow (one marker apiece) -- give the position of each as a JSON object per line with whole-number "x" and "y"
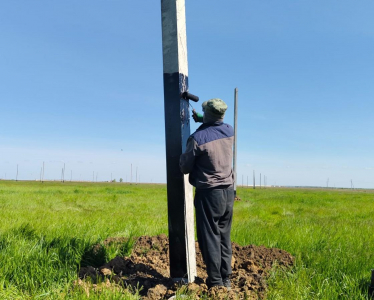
{"x": 47, "y": 231}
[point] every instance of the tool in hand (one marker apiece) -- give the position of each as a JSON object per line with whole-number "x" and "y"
{"x": 196, "y": 116}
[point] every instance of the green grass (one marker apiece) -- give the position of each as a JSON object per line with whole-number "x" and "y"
{"x": 47, "y": 231}
{"x": 330, "y": 233}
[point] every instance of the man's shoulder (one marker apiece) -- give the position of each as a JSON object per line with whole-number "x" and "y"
{"x": 210, "y": 132}
{"x": 228, "y": 126}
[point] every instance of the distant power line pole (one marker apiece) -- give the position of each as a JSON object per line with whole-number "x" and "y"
{"x": 131, "y": 175}
{"x": 63, "y": 174}
{"x": 17, "y": 173}
{"x": 43, "y": 173}
{"x": 235, "y": 136}
{"x": 254, "y": 180}
{"x": 260, "y": 180}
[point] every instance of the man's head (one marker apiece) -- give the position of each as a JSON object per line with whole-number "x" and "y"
{"x": 214, "y": 110}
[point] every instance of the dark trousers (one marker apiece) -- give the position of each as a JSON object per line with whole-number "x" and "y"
{"x": 214, "y": 209}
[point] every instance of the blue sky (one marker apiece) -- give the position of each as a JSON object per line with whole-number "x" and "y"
{"x": 81, "y": 84}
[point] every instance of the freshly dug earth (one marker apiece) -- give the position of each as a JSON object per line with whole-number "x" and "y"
{"x": 148, "y": 266}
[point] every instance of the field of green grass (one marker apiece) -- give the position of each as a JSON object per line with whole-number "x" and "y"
{"x": 47, "y": 231}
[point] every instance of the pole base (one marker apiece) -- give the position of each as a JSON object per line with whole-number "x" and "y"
{"x": 180, "y": 280}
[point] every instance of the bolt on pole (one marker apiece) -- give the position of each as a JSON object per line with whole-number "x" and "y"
{"x": 177, "y": 131}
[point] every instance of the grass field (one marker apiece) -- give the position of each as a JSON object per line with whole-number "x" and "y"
{"x": 47, "y": 231}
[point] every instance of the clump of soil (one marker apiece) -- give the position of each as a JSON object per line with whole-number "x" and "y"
{"x": 148, "y": 267}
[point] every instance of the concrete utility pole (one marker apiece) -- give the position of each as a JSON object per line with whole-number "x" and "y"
{"x": 177, "y": 131}
{"x": 235, "y": 135}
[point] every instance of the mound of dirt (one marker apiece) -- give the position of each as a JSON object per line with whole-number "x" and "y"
{"x": 148, "y": 266}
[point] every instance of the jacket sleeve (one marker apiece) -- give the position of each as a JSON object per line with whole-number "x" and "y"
{"x": 187, "y": 159}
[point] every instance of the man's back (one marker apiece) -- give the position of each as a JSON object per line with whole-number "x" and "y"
{"x": 208, "y": 157}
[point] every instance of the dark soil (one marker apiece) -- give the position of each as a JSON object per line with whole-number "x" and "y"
{"x": 148, "y": 266}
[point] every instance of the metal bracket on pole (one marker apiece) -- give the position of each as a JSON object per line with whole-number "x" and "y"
{"x": 177, "y": 131}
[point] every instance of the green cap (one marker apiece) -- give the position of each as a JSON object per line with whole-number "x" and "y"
{"x": 215, "y": 106}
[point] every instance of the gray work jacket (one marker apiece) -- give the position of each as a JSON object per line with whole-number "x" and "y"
{"x": 208, "y": 156}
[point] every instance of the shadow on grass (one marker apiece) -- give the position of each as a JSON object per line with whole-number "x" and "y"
{"x": 366, "y": 290}
{"x": 138, "y": 277}
{"x": 70, "y": 251}
{"x": 39, "y": 260}
{"x": 97, "y": 254}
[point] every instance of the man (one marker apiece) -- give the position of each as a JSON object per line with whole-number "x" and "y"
{"x": 208, "y": 160}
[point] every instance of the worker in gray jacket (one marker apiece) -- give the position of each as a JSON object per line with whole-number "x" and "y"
{"x": 208, "y": 160}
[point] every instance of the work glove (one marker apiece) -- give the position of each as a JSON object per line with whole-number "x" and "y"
{"x": 198, "y": 118}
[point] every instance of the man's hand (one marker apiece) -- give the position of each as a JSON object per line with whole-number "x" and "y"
{"x": 197, "y": 117}
{"x": 194, "y": 115}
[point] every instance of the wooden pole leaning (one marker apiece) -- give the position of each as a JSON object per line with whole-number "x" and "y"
{"x": 177, "y": 131}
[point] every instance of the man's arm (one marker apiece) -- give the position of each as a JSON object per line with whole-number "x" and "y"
{"x": 187, "y": 159}
{"x": 198, "y": 118}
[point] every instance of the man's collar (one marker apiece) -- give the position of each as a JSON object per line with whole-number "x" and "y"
{"x": 216, "y": 123}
